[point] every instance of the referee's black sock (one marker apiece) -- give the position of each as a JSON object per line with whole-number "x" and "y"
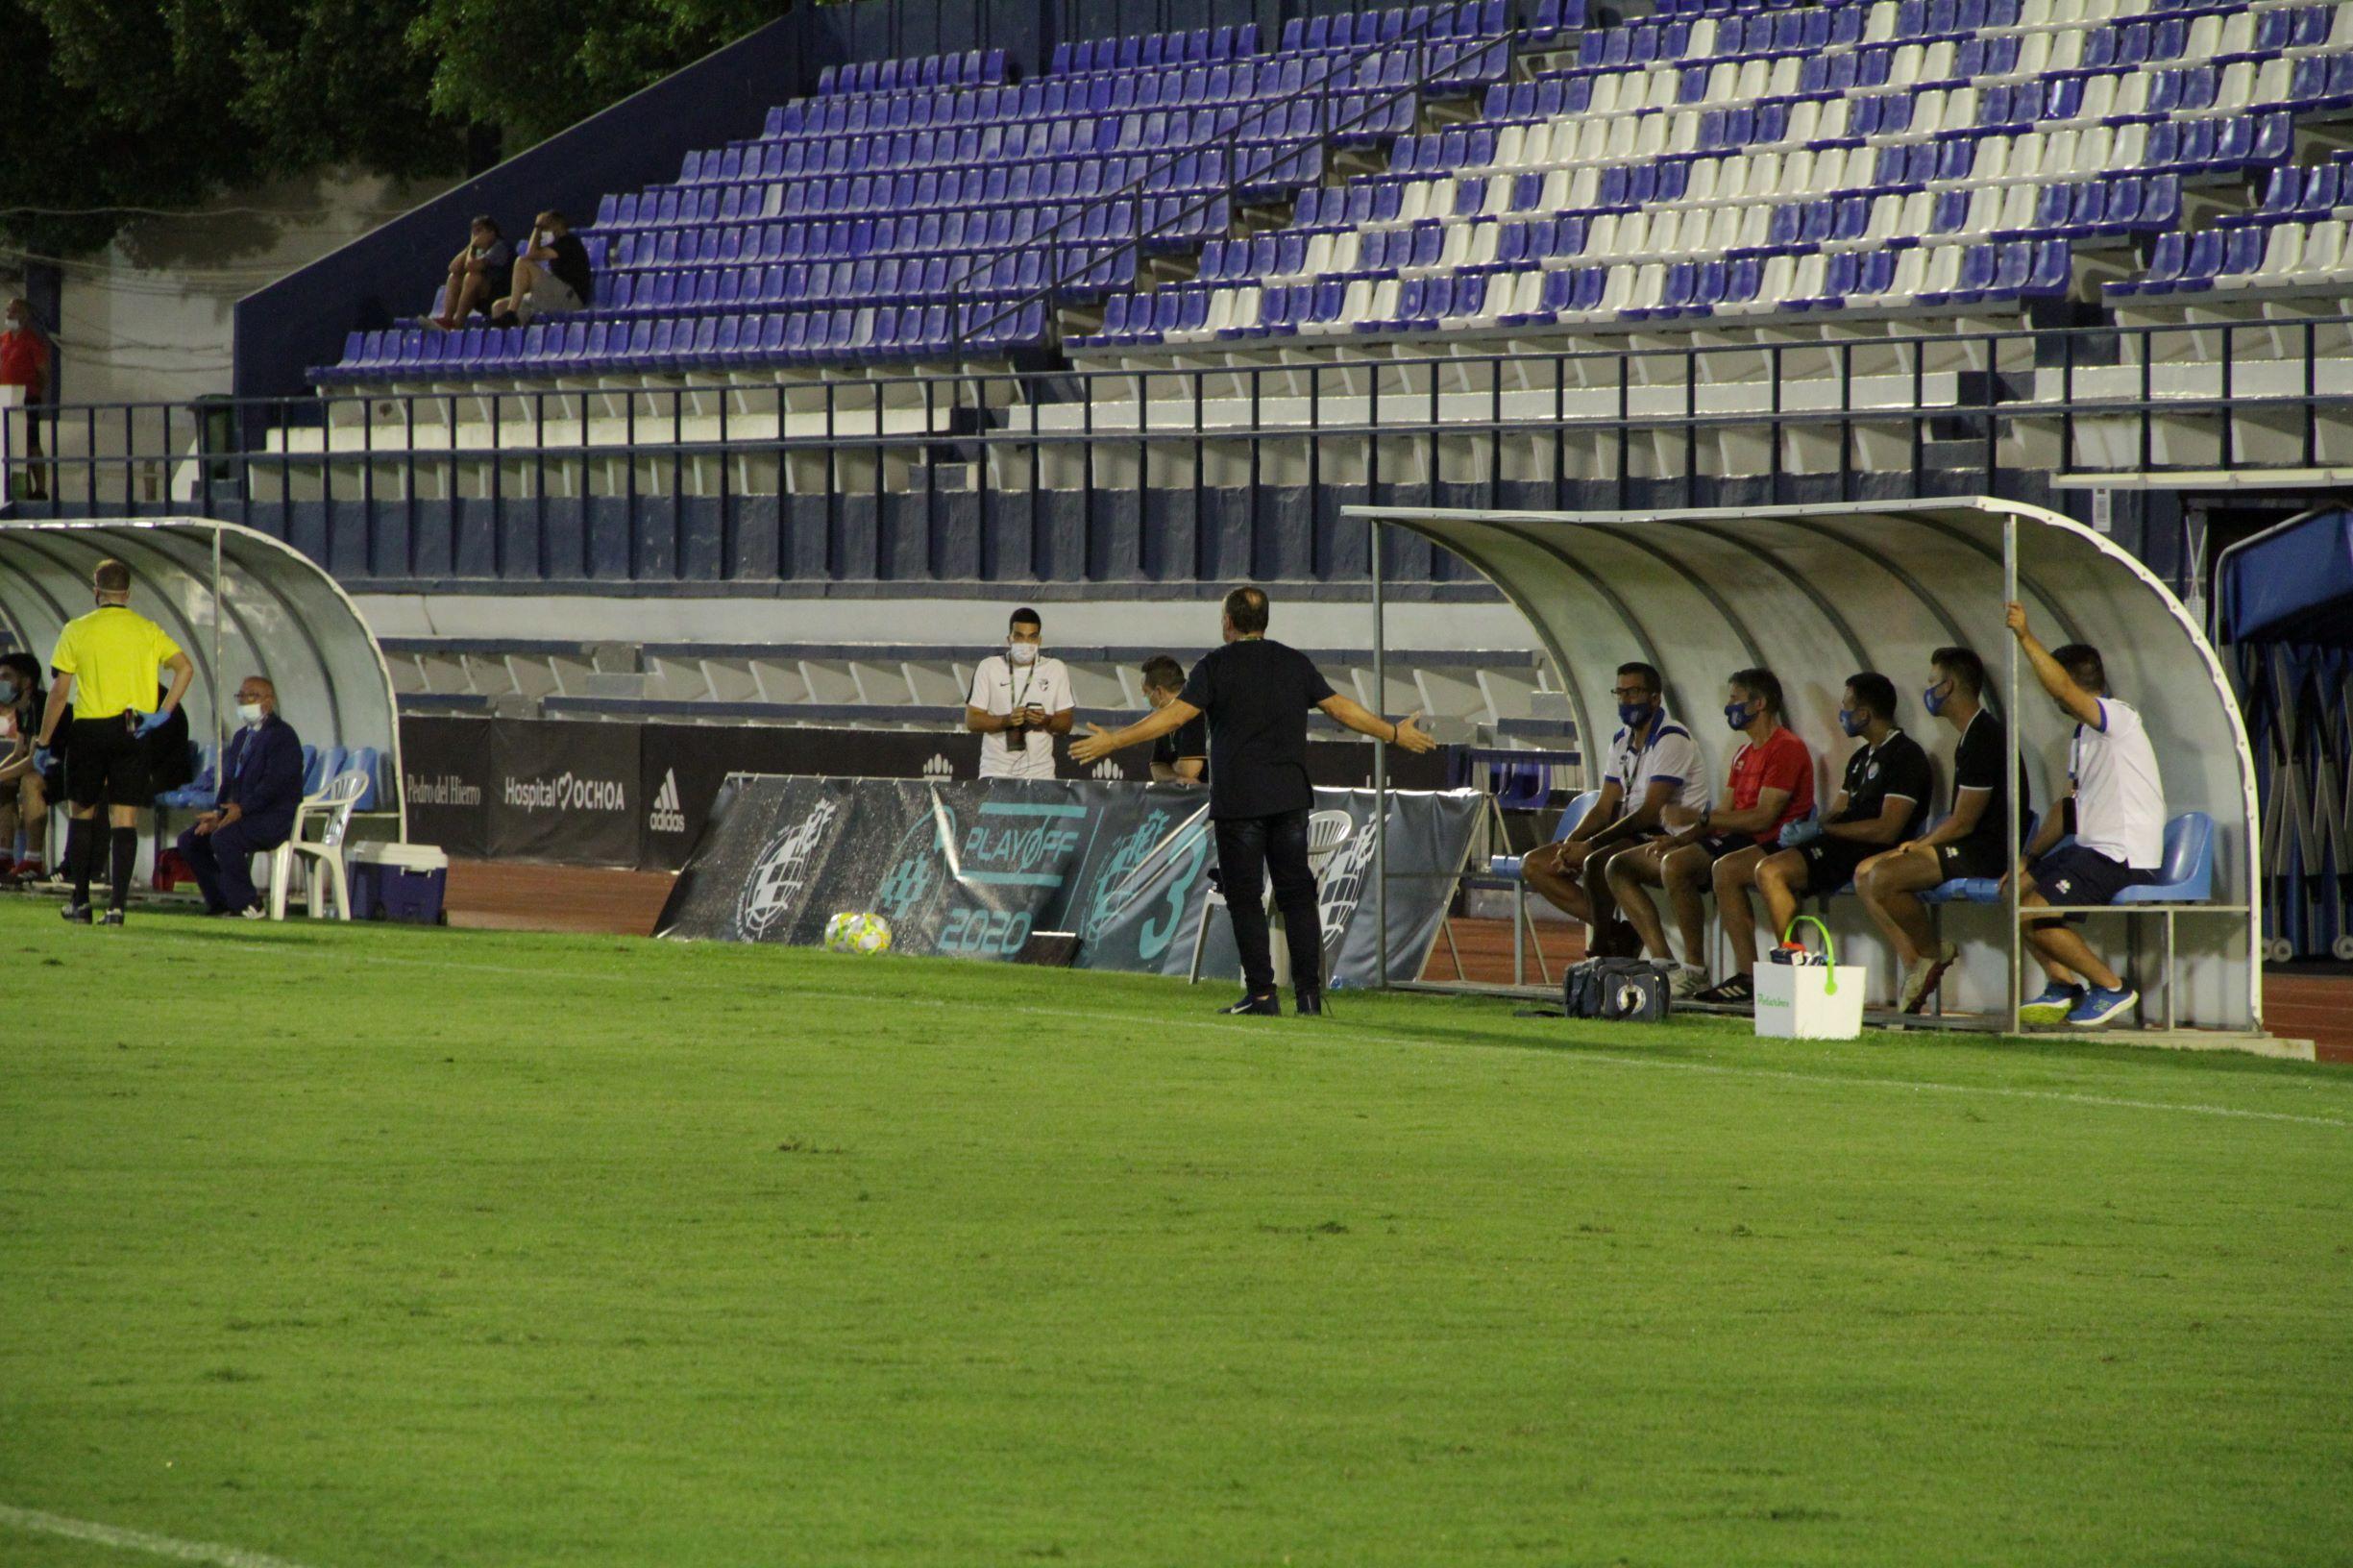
{"x": 80, "y": 835}
{"x": 126, "y": 856}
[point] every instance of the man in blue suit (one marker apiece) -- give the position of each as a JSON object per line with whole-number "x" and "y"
{"x": 261, "y": 783}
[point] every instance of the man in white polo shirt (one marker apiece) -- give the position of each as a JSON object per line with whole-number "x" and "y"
{"x": 2117, "y": 804}
{"x": 1021, "y": 700}
{"x": 1654, "y": 764}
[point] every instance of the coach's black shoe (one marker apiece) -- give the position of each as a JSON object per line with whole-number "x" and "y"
{"x": 1268, "y": 1006}
{"x": 1307, "y": 1001}
{"x": 112, "y": 916}
{"x": 76, "y": 914}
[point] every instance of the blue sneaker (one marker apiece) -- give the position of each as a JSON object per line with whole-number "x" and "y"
{"x": 2053, "y": 1007}
{"x": 2098, "y": 1006}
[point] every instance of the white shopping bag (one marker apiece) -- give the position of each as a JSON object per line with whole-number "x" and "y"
{"x": 1809, "y": 1001}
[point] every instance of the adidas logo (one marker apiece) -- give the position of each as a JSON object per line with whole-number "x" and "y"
{"x": 939, "y": 767}
{"x": 668, "y": 815}
{"x": 1108, "y": 768}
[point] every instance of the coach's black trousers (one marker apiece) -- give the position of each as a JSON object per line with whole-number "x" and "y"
{"x": 1250, "y": 850}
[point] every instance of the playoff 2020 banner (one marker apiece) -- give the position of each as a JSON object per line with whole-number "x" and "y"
{"x": 969, "y": 869}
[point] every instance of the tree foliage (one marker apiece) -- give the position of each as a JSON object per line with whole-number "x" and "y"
{"x": 164, "y": 103}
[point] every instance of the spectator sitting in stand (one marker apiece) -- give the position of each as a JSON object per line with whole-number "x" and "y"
{"x": 474, "y": 274}
{"x": 552, "y": 275}
{"x": 24, "y": 792}
{"x": 261, "y": 783}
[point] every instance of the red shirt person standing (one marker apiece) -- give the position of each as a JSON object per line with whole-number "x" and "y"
{"x": 24, "y": 361}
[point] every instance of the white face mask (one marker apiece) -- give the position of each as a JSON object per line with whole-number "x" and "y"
{"x": 1021, "y": 652}
{"x": 250, "y": 712}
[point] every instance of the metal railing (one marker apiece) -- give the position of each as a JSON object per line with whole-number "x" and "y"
{"x": 496, "y": 481}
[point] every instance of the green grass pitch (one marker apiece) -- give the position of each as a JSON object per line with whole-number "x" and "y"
{"x": 370, "y": 1248}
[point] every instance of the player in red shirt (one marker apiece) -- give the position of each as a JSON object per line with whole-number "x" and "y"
{"x": 24, "y": 361}
{"x": 1769, "y": 784}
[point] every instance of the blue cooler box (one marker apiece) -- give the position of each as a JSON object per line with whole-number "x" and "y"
{"x": 398, "y": 882}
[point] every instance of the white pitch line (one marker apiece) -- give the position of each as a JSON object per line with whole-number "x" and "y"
{"x": 136, "y": 1541}
{"x": 1336, "y": 1031}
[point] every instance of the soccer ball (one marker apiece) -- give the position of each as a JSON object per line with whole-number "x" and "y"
{"x": 849, "y": 933}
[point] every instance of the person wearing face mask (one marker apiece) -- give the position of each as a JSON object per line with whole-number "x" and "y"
{"x": 1654, "y": 764}
{"x": 1967, "y": 843}
{"x": 106, "y": 665}
{"x": 24, "y": 798}
{"x": 1021, "y": 700}
{"x": 1770, "y": 785}
{"x": 1181, "y": 756}
{"x": 1882, "y": 800}
{"x": 261, "y": 783}
{"x": 2115, "y": 807}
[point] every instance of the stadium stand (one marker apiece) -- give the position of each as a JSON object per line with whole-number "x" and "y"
{"x": 1201, "y": 225}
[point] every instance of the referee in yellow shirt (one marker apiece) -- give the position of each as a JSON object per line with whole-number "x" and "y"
{"x": 106, "y": 664}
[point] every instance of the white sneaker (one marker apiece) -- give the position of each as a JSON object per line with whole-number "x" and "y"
{"x": 1688, "y": 982}
{"x": 1921, "y": 977}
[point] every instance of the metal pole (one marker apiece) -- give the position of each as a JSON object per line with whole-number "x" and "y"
{"x": 1381, "y": 753}
{"x": 220, "y": 732}
{"x": 2012, "y": 716}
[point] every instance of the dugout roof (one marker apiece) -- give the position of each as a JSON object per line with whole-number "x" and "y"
{"x": 237, "y": 600}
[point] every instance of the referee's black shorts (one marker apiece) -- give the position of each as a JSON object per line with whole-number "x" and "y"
{"x": 106, "y": 764}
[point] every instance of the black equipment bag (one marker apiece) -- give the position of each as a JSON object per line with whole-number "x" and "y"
{"x": 1614, "y": 988}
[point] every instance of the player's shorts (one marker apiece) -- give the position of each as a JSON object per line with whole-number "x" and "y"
{"x": 106, "y": 764}
{"x": 1830, "y": 863}
{"x": 1720, "y": 845}
{"x": 2073, "y": 874}
{"x": 1956, "y": 862}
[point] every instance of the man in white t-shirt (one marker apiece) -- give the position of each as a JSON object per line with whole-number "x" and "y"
{"x": 1021, "y": 700}
{"x": 1654, "y": 763}
{"x": 2117, "y": 804}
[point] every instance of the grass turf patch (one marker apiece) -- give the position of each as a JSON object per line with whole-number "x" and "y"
{"x": 363, "y": 1246}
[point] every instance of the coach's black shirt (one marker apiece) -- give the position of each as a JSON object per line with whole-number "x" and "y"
{"x": 1256, "y": 695}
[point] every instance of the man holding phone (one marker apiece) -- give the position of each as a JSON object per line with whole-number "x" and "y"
{"x": 1021, "y": 700}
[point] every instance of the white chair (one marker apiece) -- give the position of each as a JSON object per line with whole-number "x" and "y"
{"x": 1327, "y": 832}
{"x": 334, "y": 807}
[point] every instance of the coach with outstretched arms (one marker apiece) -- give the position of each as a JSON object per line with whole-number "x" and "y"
{"x": 1256, "y": 694}
{"x": 106, "y": 663}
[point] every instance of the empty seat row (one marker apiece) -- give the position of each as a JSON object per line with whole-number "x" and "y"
{"x": 1155, "y": 50}
{"x": 1076, "y": 270}
{"x": 1037, "y": 102}
{"x": 1953, "y": 277}
{"x": 973, "y": 68}
{"x": 707, "y": 343}
{"x": 1163, "y": 222}
{"x": 2285, "y": 254}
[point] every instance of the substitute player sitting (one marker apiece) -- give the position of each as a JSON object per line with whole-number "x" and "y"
{"x": 1882, "y": 800}
{"x": 1654, "y": 764}
{"x": 1769, "y": 784}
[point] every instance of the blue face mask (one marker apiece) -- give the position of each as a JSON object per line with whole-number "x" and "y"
{"x": 1931, "y": 700}
{"x": 1736, "y": 715}
{"x": 1853, "y": 720}
{"x": 8, "y": 693}
{"x": 1633, "y": 715}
